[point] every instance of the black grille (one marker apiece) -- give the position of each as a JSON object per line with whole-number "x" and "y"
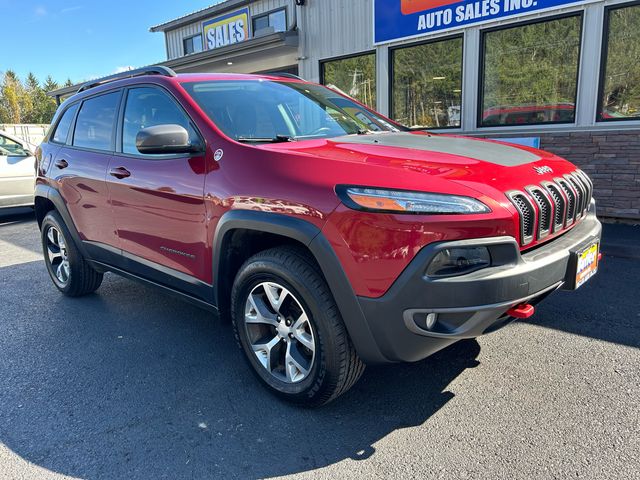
{"x": 559, "y": 204}
{"x": 544, "y": 207}
{"x": 558, "y": 200}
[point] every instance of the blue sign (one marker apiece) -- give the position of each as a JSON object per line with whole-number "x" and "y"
{"x": 399, "y": 19}
{"x": 533, "y": 142}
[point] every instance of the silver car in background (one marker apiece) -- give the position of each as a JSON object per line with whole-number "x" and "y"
{"x": 17, "y": 172}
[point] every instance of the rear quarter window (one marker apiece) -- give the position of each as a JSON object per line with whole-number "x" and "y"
{"x": 61, "y": 132}
{"x": 95, "y": 123}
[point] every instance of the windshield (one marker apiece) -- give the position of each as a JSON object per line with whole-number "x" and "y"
{"x": 10, "y": 148}
{"x": 267, "y": 111}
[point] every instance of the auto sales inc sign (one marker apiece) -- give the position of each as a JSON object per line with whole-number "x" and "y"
{"x": 227, "y": 29}
{"x": 400, "y": 19}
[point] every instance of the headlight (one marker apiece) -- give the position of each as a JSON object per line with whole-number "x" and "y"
{"x": 458, "y": 261}
{"x": 402, "y": 201}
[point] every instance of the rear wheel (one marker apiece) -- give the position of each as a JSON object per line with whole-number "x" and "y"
{"x": 68, "y": 269}
{"x": 289, "y": 327}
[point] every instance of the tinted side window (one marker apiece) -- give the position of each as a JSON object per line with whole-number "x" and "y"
{"x": 94, "y": 127}
{"x": 62, "y": 130}
{"x": 148, "y": 107}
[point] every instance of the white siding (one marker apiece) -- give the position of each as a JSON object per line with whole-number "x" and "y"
{"x": 175, "y": 37}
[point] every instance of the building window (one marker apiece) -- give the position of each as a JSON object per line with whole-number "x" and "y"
{"x": 277, "y": 20}
{"x": 427, "y": 84}
{"x": 530, "y": 73}
{"x": 192, "y": 44}
{"x": 353, "y": 76}
{"x": 620, "y": 84}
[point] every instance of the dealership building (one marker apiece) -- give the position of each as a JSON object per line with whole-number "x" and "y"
{"x": 561, "y": 74}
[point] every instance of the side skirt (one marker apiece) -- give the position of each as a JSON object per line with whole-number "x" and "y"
{"x": 103, "y": 267}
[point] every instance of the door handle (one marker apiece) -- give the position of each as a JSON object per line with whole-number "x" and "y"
{"x": 61, "y": 164}
{"x": 120, "y": 172}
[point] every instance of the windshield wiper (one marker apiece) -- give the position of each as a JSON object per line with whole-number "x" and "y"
{"x": 276, "y": 139}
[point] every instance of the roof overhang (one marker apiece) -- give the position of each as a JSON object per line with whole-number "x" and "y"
{"x": 64, "y": 92}
{"x": 267, "y": 49}
{"x": 203, "y": 14}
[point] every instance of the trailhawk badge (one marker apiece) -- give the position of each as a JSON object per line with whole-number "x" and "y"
{"x": 543, "y": 170}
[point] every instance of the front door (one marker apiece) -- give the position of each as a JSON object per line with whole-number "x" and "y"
{"x": 158, "y": 200}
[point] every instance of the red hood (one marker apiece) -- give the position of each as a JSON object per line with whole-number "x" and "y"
{"x": 403, "y": 159}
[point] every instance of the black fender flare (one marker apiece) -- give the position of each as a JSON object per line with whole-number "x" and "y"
{"x": 312, "y": 237}
{"x": 51, "y": 194}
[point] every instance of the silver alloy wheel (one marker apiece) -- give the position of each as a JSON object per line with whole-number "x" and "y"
{"x": 279, "y": 332}
{"x": 58, "y": 255}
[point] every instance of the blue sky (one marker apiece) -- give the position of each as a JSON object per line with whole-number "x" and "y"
{"x": 81, "y": 39}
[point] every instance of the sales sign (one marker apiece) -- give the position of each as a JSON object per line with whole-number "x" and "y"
{"x": 400, "y": 19}
{"x": 227, "y": 29}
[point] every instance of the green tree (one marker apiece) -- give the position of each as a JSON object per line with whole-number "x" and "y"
{"x": 11, "y": 92}
{"x": 30, "y": 101}
{"x": 49, "y": 105}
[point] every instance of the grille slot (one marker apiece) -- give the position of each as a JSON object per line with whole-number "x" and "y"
{"x": 545, "y": 211}
{"x": 581, "y": 194}
{"x": 527, "y": 216}
{"x": 571, "y": 200}
{"x": 559, "y": 206}
{"x": 588, "y": 188}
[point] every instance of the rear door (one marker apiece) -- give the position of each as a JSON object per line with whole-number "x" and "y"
{"x": 80, "y": 166}
{"x": 17, "y": 173}
{"x": 158, "y": 200}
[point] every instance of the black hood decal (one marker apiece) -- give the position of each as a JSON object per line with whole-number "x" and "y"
{"x": 497, "y": 153}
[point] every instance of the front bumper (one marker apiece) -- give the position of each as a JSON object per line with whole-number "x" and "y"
{"x": 473, "y": 304}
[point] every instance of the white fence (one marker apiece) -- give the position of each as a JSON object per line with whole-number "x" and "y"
{"x": 32, "y": 133}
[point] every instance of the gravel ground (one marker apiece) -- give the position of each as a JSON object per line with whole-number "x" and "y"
{"x": 129, "y": 383}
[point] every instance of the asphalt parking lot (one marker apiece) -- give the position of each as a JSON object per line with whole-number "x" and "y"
{"x": 129, "y": 383}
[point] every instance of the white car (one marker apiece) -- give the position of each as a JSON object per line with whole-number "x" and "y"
{"x": 17, "y": 172}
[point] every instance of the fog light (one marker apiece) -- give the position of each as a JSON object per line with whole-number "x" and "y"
{"x": 458, "y": 261}
{"x": 432, "y": 318}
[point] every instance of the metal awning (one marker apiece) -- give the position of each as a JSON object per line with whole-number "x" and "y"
{"x": 258, "y": 54}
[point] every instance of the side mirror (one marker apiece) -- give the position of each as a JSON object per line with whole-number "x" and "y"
{"x": 165, "y": 139}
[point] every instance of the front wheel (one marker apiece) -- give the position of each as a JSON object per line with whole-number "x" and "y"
{"x": 290, "y": 329}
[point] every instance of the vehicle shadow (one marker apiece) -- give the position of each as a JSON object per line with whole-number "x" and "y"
{"x": 600, "y": 308}
{"x": 130, "y": 383}
{"x": 16, "y": 215}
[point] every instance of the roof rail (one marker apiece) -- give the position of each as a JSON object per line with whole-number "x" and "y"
{"x": 138, "y": 72}
{"x": 285, "y": 75}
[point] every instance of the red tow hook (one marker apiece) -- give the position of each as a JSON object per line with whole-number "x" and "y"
{"x": 524, "y": 310}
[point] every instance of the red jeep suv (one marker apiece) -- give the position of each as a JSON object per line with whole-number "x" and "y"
{"x": 332, "y": 236}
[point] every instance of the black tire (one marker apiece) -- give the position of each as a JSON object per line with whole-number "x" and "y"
{"x": 336, "y": 366}
{"x": 82, "y": 278}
